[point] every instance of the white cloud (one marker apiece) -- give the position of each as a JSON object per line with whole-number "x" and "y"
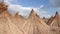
{"x": 41, "y": 11}
{"x": 24, "y": 11}
{"x": 20, "y": 9}
{"x": 8, "y": 1}
{"x": 42, "y": 6}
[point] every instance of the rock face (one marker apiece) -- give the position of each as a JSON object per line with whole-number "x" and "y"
{"x": 7, "y": 27}
{"x": 54, "y": 23}
{"x": 45, "y": 19}
{"x": 6, "y": 24}
{"x": 10, "y": 24}
{"x": 56, "y": 20}
{"x": 50, "y": 20}
{"x": 19, "y": 19}
{"x": 34, "y": 25}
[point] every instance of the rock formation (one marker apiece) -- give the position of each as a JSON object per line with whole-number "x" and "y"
{"x": 56, "y": 20}
{"x": 34, "y": 25}
{"x": 20, "y": 19}
{"x": 45, "y": 19}
{"x": 50, "y": 20}
{"x": 10, "y": 24}
{"x": 6, "y": 24}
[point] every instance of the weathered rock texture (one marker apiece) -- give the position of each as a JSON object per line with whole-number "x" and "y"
{"x": 50, "y": 20}
{"x": 10, "y": 24}
{"x": 45, "y": 19}
{"x": 35, "y": 25}
{"x": 56, "y": 20}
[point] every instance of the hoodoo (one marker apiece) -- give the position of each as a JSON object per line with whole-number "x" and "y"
{"x": 31, "y": 14}
{"x": 10, "y": 24}
{"x": 50, "y": 20}
{"x": 35, "y": 25}
{"x": 6, "y": 24}
{"x": 55, "y": 23}
{"x": 19, "y": 19}
{"x": 56, "y": 20}
{"x": 3, "y": 7}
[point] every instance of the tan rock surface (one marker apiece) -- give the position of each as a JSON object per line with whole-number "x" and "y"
{"x": 10, "y": 24}
{"x": 34, "y": 25}
{"x": 50, "y": 20}
{"x": 56, "y": 20}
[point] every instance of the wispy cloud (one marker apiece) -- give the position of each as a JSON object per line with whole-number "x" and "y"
{"x": 13, "y": 8}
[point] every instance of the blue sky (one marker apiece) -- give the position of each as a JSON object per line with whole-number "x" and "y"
{"x": 44, "y": 8}
{"x": 32, "y": 3}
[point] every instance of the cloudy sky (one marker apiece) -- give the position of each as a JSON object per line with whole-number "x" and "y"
{"x": 44, "y": 8}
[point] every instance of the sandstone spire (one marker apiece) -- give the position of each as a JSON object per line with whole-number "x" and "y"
{"x": 19, "y": 16}
{"x": 56, "y": 20}
{"x": 35, "y": 25}
{"x": 16, "y": 15}
{"x": 32, "y": 11}
{"x": 7, "y": 22}
{"x": 19, "y": 19}
{"x": 17, "y": 24}
{"x": 38, "y": 16}
{"x": 50, "y": 20}
{"x": 3, "y": 7}
{"x": 31, "y": 14}
{"x": 56, "y": 15}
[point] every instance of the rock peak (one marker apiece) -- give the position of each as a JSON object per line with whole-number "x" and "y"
{"x": 56, "y": 12}
{"x": 32, "y": 11}
{"x": 32, "y": 14}
{"x": 21, "y": 16}
{"x": 3, "y": 7}
{"x": 37, "y": 16}
{"x": 56, "y": 20}
{"x": 16, "y": 14}
{"x": 56, "y": 15}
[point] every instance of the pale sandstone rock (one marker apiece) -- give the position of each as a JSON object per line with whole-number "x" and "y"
{"x": 56, "y": 20}
{"x": 10, "y": 24}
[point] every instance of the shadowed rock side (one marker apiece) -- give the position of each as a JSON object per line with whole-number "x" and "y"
{"x": 56, "y": 20}
{"x": 34, "y": 25}
{"x": 45, "y": 19}
{"x": 54, "y": 23}
{"x": 50, "y": 20}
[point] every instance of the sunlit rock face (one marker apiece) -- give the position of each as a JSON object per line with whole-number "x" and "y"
{"x": 55, "y": 23}
{"x": 19, "y": 19}
{"x": 56, "y": 20}
{"x": 6, "y": 24}
{"x": 34, "y": 25}
{"x": 10, "y": 24}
